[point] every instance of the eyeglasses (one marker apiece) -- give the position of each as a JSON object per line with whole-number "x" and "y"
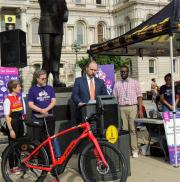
{"x": 43, "y": 79}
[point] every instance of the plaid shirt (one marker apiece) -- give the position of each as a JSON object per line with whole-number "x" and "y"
{"x": 127, "y": 91}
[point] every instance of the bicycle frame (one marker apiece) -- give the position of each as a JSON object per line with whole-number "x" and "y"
{"x": 87, "y": 133}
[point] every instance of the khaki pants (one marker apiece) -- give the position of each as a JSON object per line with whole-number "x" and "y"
{"x": 128, "y": 115}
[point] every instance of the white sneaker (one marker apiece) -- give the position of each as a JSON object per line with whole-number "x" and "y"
{"x": 135, "y": 154}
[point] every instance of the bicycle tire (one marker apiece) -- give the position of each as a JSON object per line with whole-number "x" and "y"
{"x": 21, "y": 149}
{"x": 91, "y": 170}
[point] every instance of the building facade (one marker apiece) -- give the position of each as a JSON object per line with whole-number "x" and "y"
{"x": 90, "y": 22}
{"x": 128, "y": 14}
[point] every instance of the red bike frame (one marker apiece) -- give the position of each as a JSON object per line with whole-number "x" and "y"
{"x": 86, "y": 133}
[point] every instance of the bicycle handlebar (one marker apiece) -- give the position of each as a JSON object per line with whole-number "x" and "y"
{"x": 90, "y": 118}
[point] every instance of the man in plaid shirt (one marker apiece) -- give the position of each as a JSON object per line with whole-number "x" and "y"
{"x": 128, "y": 94}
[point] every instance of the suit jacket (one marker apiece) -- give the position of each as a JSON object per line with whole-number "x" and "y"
{"x": 52, "y": 16}
{"x": 80, "y": 92}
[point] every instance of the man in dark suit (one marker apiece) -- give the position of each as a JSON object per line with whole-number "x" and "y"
{"x": 53, "y": 14}
{"x": 87, "y": 87}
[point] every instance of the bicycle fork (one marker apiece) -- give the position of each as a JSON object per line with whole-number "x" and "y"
{"x": 102, "y": 165}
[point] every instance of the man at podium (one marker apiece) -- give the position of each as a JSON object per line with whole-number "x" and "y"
{"x": 87, "y": 87}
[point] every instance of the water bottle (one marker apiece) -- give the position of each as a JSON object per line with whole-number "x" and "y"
{"x": 56, "y": 147}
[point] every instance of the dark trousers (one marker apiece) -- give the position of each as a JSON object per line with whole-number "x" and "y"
{"x": 51, "y": 45}
{"x": 40, "y": 134}
{"x": 18, "y": 127}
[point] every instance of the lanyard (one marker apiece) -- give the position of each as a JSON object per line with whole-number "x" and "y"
{"x": 125, "y": 89}
{"x": 125, "y": 99}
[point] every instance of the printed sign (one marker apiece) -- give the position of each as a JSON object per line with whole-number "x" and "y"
{"x": 112, "y": 134}
{"x": 106, "y": 73}
{"x": 169, "y": 130}
{"x": 10, "y": 19}
{"x": 6, "y": 74}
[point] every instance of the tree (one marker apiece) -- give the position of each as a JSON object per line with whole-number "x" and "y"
{"x": 101, "y": 59}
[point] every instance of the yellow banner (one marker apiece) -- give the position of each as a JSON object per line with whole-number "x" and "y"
{"x": 10, "y": 19}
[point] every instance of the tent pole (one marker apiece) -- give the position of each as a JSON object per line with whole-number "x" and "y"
{"x": 173, "y": 98}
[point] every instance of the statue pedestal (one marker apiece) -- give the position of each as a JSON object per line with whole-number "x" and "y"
{"x": 62, "y": 89}
{"x": 61, "y": 110}
{"x": 64, "y": 112}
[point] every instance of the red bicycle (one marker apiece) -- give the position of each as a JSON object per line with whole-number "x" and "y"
{"x": 98, "y": 161}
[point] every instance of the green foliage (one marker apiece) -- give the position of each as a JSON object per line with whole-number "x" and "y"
{"x": 82, "y": 63}
{"x": 34, "y": 81}
{"x": 101, "y": 59}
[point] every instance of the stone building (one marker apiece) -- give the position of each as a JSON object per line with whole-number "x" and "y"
{"x": 90, "y": 21}
{"x": 128, "y": 14}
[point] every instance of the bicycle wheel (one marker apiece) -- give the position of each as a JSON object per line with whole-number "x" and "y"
{"x": 13, "y": 170}
{"x": 93, "y": 170}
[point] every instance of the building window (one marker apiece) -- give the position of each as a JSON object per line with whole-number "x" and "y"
{"x": 100, "y": 33}
{"x": 35, "y": 36}
{"x": 151, "y": 66}
{"x": 120, "y": 30}
{"x": 78, "y": 1}
{"x": 128, "y": 24}
{"x": 3, "y": 26}
{"x": 98, "y": 2}
{"x": 175, "y": 65}
{"x": 80, "y": 33}
{"x": 37, "y": 67}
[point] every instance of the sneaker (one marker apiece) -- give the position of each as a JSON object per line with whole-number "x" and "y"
{"x": 15, "y": 170}
{"x": 135, "y": 154}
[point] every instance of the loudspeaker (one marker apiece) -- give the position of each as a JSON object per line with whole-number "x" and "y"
{"x": 123, "y": 144}
{"x": 13, "y": 48}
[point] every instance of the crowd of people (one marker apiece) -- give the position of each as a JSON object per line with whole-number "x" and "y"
{"x": 42, "y": 100}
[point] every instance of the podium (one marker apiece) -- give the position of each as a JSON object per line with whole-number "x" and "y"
{"x": 108, "y": 113}
{"x": 106, "y": 110}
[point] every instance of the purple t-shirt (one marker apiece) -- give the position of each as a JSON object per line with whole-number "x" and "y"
{"x": 41, "y": 96}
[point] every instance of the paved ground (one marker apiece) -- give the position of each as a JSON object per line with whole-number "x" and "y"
{"x": 143, "y": 169}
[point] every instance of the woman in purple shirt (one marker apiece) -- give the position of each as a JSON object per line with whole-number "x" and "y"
{"x": 42, "y": 99}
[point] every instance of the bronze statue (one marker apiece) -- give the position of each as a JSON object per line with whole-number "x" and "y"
{"x": 53, "y": 14}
